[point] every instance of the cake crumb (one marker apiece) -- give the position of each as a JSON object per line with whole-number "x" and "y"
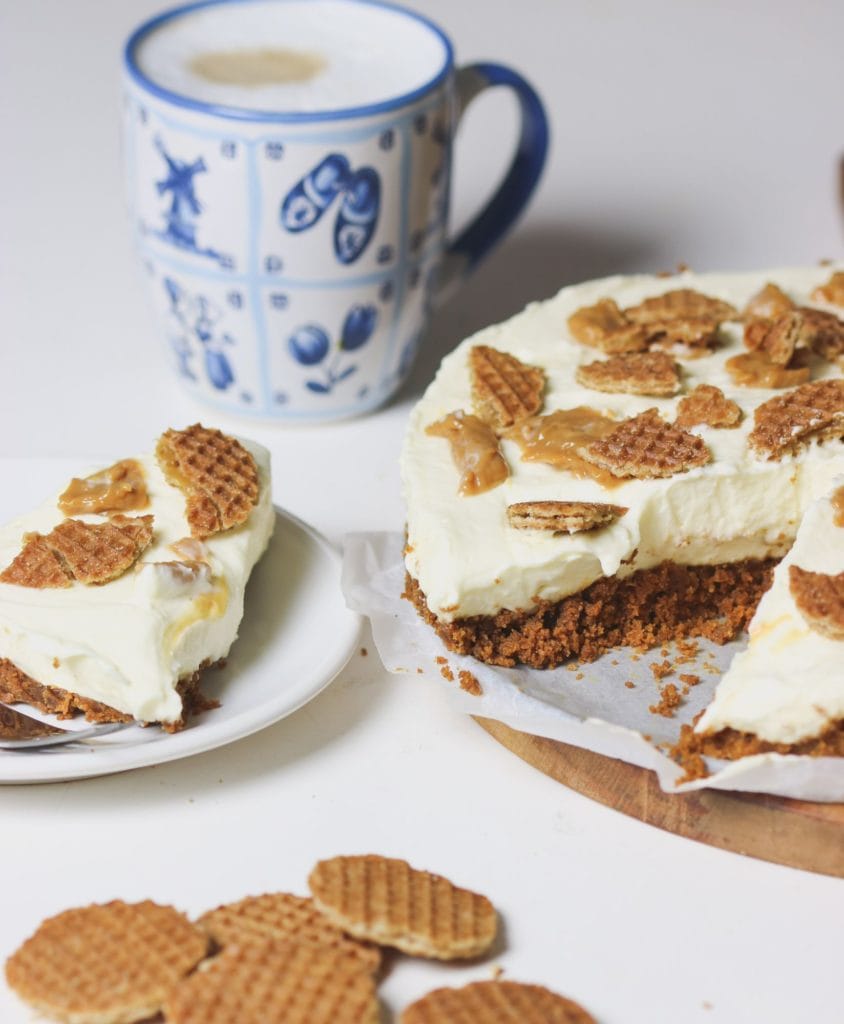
{"x": 571, "y": 667}
{"x": 614, "y": 661}
{"x": 420, "y": 671}
{"x": 363, "y": 652}
{"x": 470, "y": 683}
{"x": 706, "y": 1005}
{"x": 446, "y": 673}
{"x": 56, "y": 663}
{"x": 661, "y": 669}
{"x": 579, "y": 675}
{"x": 629, "y": 684}
{"x": 669, "y": 701}
{"x": 689, "y": 679}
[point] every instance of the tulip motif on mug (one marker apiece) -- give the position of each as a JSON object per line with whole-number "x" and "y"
{"x": 360, "y": 203}
{"x": 310, "y": 345}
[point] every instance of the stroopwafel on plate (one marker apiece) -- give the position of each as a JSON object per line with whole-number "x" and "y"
{"x": 389, "y": 902}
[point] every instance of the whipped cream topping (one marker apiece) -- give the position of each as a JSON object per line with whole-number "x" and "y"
{"x": 128, "y": 643}
{"x": 469, "y": 561}
{"x": 788, "y": 685}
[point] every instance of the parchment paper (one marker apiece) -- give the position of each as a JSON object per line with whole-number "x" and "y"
{"x": 585, "y": 705}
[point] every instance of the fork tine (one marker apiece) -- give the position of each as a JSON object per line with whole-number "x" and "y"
{"x": 19, "y": 731}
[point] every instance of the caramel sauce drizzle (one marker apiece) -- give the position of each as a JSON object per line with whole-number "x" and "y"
{"x": 557, "y": 439}
{"x": 120, "y": 488}
{"x": 838, "y": 506}
{"x": 474, "y": 448}
{"x": 756, "y": 370}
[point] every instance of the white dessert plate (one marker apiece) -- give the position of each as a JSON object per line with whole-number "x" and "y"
{"x": 296, "y": 636}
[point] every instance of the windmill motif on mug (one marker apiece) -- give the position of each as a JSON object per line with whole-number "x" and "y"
{"x": 182, "y": 214}
{"x": 360, "y": 202}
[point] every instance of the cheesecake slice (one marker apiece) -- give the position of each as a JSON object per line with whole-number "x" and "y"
{"x": 116, "y": 593}
{"x": 785, "y": 691}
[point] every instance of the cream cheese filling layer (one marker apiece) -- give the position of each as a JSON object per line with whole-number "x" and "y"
{"x": 788, "y": 685}
{"x": 129, "y": 642}
{"x": 469, "y": 561}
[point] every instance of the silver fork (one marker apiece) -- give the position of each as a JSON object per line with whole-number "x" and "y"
{"x": 22, "y": 732}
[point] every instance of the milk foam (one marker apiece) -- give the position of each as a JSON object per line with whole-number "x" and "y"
{"x": 364, "y": 54}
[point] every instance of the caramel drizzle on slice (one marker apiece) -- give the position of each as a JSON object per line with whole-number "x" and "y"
{"x": 556, "y": 439}
{"x": 474, "y": 449}
{"x": 837, "y": 502}
{"x": 119, "y": 488}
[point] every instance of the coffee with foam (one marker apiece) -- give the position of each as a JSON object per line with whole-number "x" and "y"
{"x": 292, "y": 56}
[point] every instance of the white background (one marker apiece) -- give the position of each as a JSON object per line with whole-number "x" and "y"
{"x": 703, "y": 132}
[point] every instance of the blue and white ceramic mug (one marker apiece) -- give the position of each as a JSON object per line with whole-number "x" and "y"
{"x": 294, "y": 228}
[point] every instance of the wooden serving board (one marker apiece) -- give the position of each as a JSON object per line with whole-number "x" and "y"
{"x": 792, "y": 832}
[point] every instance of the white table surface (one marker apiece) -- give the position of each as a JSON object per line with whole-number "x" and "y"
{"x": 708, "y": 133}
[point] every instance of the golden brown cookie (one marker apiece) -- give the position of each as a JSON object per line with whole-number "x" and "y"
{"x": 680, "y": 304}
{"x": 562, "y": 516}
{"x": 786, "y": 422}
{"x": 709, "y": 406}
{"x": 275, "y": 983}
{"x": 504, "y": 390}
{"x": 389, "y": 902}
{"x": 109, "y": 963}
{"x": 92, "y": 553}
{"x": 280, "y": 916}
{"x": 646, "y": 446}
{"x": 495, "y": 1002}
{"x": 217, "y": 475}
{"x": 633, "y": 373}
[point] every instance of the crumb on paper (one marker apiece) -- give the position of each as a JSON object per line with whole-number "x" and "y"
{"x": 629, "y": 684}
{"x": 420, "y": 671}
{"x": 363, "y": 652}
{"x": 661, "y": 669}
{"x": 56, "y": 663}
{"x": 614, "y": 661}
{"x": 497, "y": 972}
{"x": 579, "y": 675}
{"x": 445, "y": 672}
{"x": 689, "y": 679}
{"x": 571, "y": 666}
{"x": 470, "y": 683}
{"x": 669, "y": 701}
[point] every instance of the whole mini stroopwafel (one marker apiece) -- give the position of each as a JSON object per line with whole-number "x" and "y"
{"x": 216, "y": 473}
{"x": 645, "y": 447}
{"x": 495, "y": 1002}
{"x": 109, "y": 963}
{"x": 281, "y": 916}
{"x": 562, "y": 516}
{"x": 389, "y": 902}
{"x": 276, "y": 983}
{"x": 634, "y": 373}
{"x": 504, "y": 390}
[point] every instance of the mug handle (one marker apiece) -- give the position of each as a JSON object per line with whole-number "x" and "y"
{"x": 489, "y": 226}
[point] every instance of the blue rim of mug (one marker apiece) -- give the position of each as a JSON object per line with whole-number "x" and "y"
{"x": 244, "y": 113}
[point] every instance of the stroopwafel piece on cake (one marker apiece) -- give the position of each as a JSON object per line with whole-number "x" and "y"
{"x": 382, "y": 900}
{"x": 110, "y": 963}
{"x": 504, "y": 390}
{"x": 495, "y": 1002}
{"x": 635, "y": 373}
{"x": 645, "y": 447}
{"x": 562, "y": 516}
{"x": 276, "y": 983}
{"x": 218, "y": 475}
{"x": 716, "y": 471}
{"x": 109, "y": 605}
{"x": 281, "y": 916}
